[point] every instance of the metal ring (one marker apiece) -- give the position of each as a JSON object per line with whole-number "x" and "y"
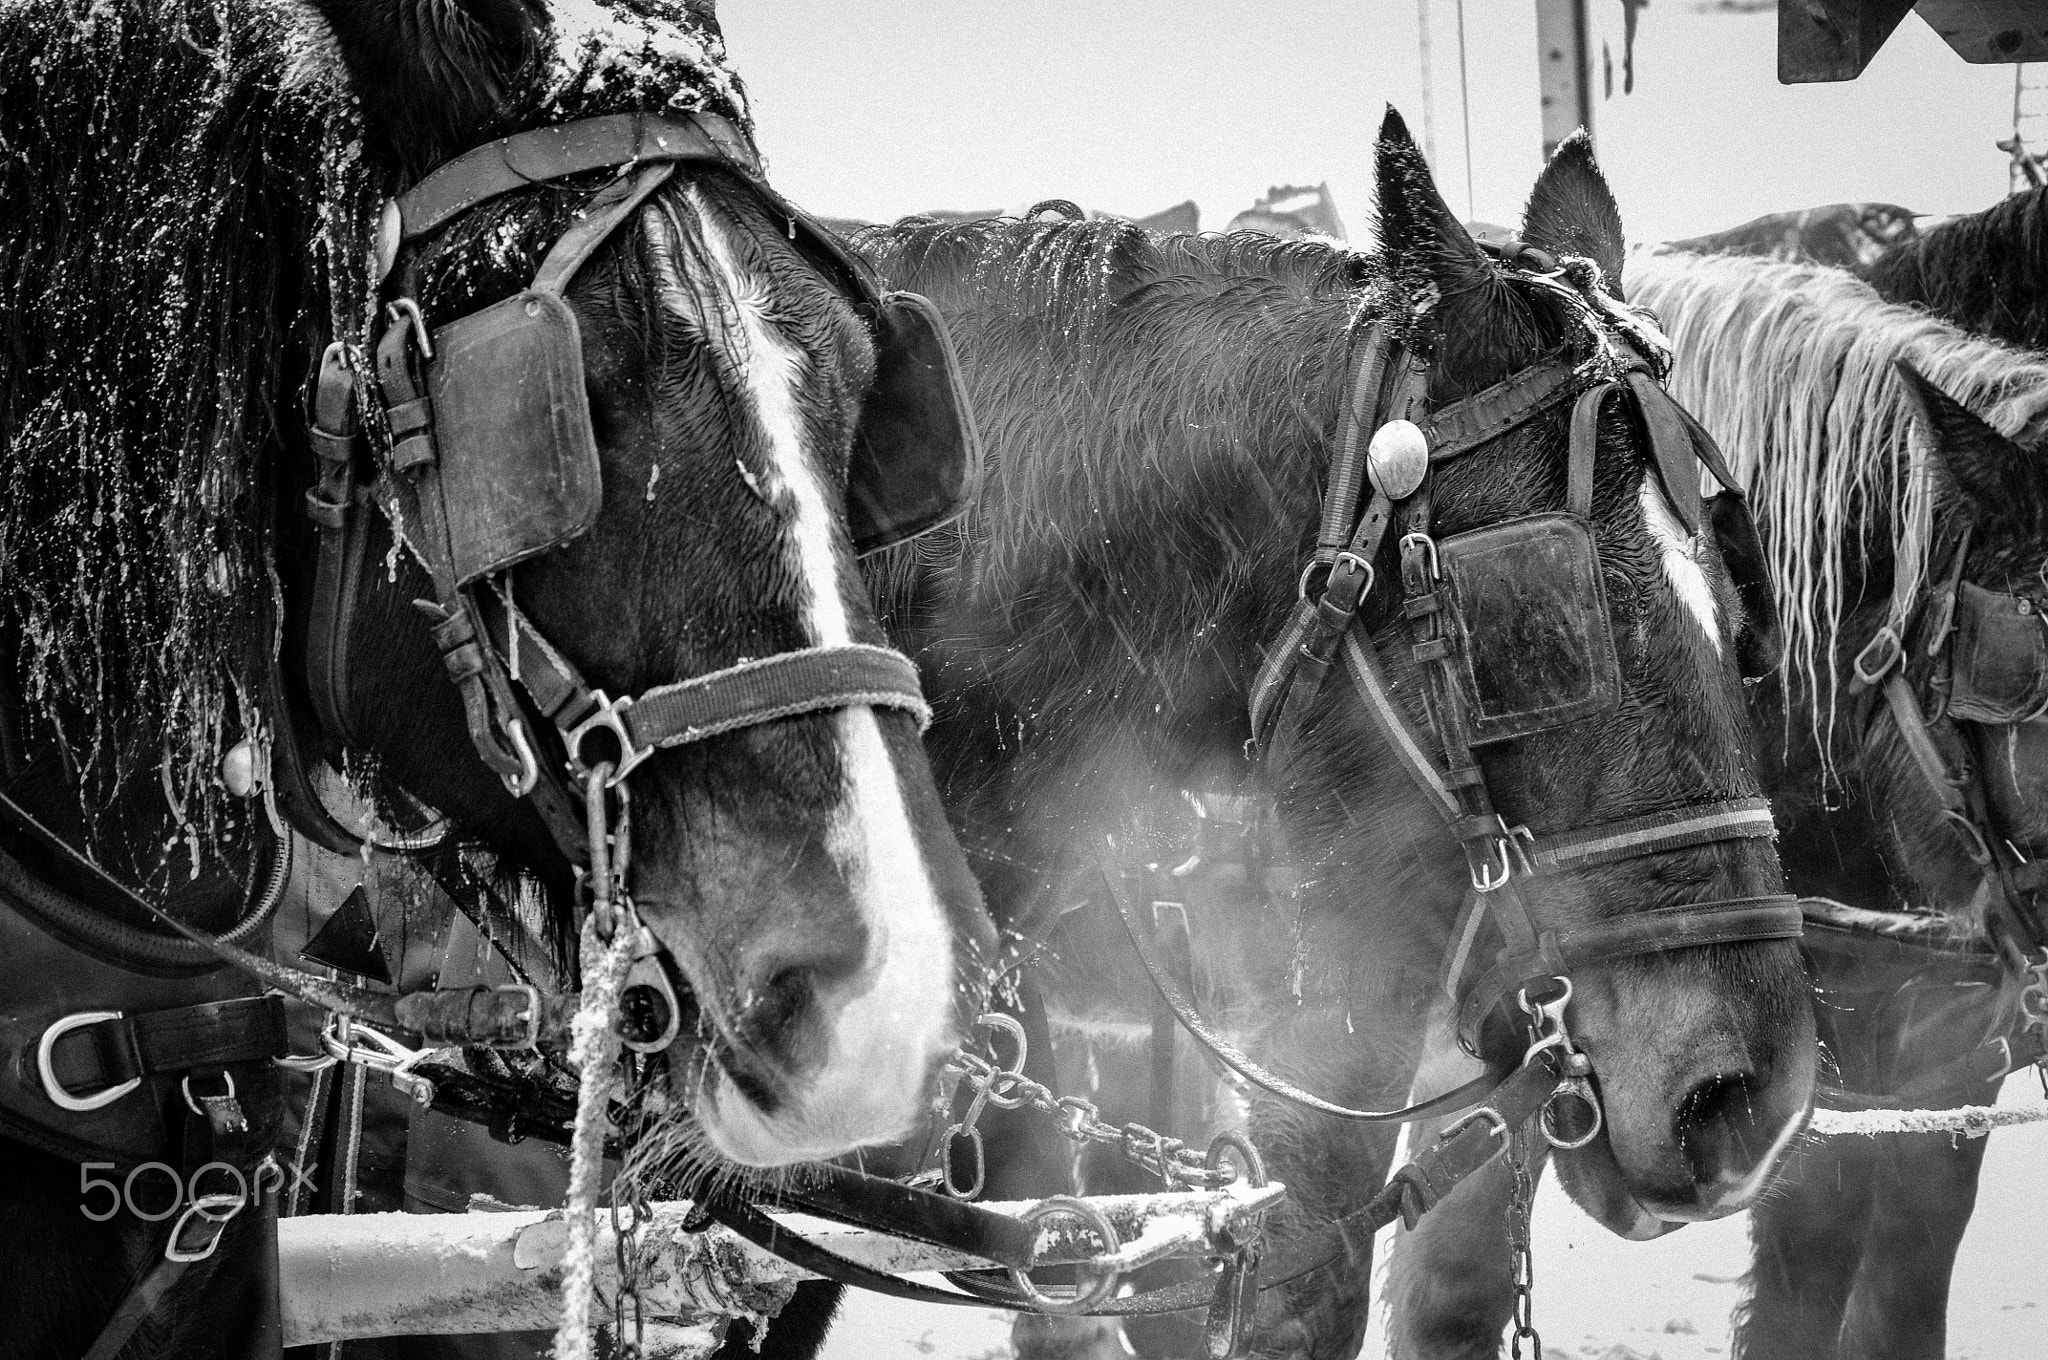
{"x": 46, "y": 1069}
{"x": 1102, "y": 1287}
{"x": 198, "y": 1207}
{"x": 1232, "y": 1141}
{"x": 1007, "y": 1024}
{"x": 953, "y": 1188}
{"x": 1578, "y": 1088}
{"x": 193, "y": 1105}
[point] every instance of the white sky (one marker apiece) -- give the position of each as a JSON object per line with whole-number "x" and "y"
{"x": 876, "y": 108}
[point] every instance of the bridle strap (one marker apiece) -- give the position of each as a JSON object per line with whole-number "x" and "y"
{"x": 552, "y": 153}
{"x": 1675, "y": 829}
{"x": 1727, "y": 920}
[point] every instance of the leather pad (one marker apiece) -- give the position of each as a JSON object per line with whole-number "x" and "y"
{"x": 519, "y": 469}
{"x": 1534, "y": 646}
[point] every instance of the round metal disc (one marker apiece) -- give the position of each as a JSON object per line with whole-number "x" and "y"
{"x": 389, "y": 227}
{"x": 1397, "y": 459}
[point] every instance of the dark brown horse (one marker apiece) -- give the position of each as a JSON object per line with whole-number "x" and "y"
{"x": 192, "y": 218}
{"x": 1797, "y": 368}
{"x": 1159, "y": 415}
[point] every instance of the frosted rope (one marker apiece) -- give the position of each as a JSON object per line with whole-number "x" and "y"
{"x": 1972, "y": 1121}
{"x": 594, "y": 1049}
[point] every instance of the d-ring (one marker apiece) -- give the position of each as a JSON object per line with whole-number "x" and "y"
{"x": 46, "y": 1048}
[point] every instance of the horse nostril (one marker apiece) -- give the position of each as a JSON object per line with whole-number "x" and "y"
{"x": 1723, "y": 1128}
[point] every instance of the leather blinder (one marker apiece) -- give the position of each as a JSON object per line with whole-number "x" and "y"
{"x": 1533, "y": 646}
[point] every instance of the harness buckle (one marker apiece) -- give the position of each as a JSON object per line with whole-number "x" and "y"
{"x": 174, "y": 1250}
{"x": 608, "y": 716}
{"x": 1878, "y": 656}
{"x": 1436, "y": 571}
{"x": 406, "y": 312}
{"x": 46, "y": 1049}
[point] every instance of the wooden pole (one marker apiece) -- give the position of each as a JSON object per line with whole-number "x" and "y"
{"x": 367, "y": 1275}
{"x": 1564, "y": 71}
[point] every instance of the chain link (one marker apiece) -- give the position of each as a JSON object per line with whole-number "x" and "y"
{"x": 1521, "y": 1156}
{"x": 1005, "y": 1087}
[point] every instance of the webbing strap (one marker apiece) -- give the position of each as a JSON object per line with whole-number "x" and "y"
{"x": 1734, "y": 819}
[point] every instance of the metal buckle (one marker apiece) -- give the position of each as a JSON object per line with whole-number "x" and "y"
{"x": 45, "y": 1054}
{"x": 1350, "y": 562}
{"x": 1436, "y": 571}
{"x": 1870, "y": 672}
{"x": 234, "y": 1204}
{"x": 609, "y": 716}
{"x": 404, "y": 311}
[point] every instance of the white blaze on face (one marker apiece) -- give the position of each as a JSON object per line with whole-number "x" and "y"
{"x": 887, "y": 1022}
{"x": 1681, "y": 554}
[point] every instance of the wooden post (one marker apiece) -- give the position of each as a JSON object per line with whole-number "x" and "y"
{"x": 1564, "y": 74}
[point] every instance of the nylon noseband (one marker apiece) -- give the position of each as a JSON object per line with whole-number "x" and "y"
{"x": 1389, "y": 384}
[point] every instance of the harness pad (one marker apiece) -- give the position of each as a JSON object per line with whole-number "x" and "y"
{"x": 518, "y": 458}
{"x": 1534, "y": 646}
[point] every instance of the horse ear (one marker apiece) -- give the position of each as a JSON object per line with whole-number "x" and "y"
{"x": 2002, "y": 479}
{"x": 1420, "y": 235}
{"x": 436, "y": 76}
{"x": 1571, "y": 210}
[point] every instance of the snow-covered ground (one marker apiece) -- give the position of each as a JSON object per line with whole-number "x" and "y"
{"x": 1601, "y": 1298}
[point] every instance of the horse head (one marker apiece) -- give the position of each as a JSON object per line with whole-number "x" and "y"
{"x": 1704, "y": 1055}
{"x": 797, "y": 870}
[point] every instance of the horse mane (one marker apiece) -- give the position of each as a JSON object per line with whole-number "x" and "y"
{"x": 160, "y": 166}
{"x": 191, "y": 199}
{"x": 1987, "y": 272}
{"x": 1791, "y": 367}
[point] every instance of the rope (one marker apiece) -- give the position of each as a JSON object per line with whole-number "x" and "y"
{"x": 594, "y": 1049}
{"x": 1972, "y": 1121}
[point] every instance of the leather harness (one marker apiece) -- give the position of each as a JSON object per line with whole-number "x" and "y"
{"x": 1919, "y": 635}
{"x": 488, "y": 646}
{"x": 1390, "y": 384}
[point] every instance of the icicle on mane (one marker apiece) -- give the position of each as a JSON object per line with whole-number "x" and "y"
{"x": 1790, "y": 366}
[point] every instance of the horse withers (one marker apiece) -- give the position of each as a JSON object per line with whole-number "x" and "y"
{"x": 1823, "y": 393}
{"x": 193, "y": 219}
{"x": 1160, "y": 415}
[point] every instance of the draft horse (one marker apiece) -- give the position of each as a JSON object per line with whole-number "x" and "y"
{"x": 595, "y": 425}
{"x": 1908, "y": 773}
{"x": 1160, "y": 417}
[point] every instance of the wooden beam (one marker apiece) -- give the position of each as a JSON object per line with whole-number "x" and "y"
{"x": 1564, "y": 74}
{"x": 364, "y": 1275}
{"x": 1823, "y": 40}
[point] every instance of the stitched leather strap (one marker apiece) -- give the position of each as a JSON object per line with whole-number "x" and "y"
{"x": 1491, "y": 412}
{"x": 153, "y": 1043}
{"x": 551, "y": 153}
{"x": 1734, "y": 819}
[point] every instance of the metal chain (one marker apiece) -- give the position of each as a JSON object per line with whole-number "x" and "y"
{"x": 1005, "y": 1087}
{"x": 1521, "y": 1156}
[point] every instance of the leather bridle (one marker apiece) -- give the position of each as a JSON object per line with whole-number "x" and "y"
{"x": 1388, "y": 386}
{"x": 487, "y": 644}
